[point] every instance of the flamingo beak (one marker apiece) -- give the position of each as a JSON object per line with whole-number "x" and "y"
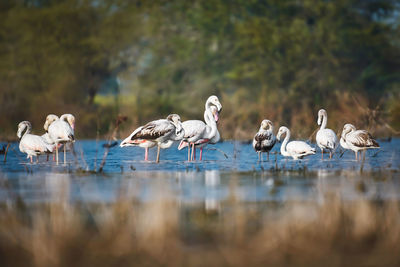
{"x": 219, "y": 107}
{"x": 216, "y": 116}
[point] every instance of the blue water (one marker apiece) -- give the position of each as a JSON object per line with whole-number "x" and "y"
{"x": 209, "y": 182}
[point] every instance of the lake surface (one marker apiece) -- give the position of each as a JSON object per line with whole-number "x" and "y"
{"x": 228, "y": 169}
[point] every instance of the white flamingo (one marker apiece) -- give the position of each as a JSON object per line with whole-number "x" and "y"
{"x": 60, "y": 131}
{"x": 211, "y": 117}
{"x": 198, "y": 133}
{"x": 264, "y": 140}
{"x": 358, "y": 140}
{"x": 159, "y": 132}
{"x": 294, "y": 149}
{"x": 326, "y": 138}
{"x": 32, "y": 145}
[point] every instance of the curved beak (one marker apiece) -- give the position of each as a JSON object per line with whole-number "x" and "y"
{"x": 219, "y": 106}
{"x": 216, "y": 116}
{"x": 125, "y": 142}
{"x": 19, "y": 133}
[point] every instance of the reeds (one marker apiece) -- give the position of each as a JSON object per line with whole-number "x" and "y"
{"x": 165, "y": 232}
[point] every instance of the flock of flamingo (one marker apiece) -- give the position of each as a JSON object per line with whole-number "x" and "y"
{"x": 195, "y": 134}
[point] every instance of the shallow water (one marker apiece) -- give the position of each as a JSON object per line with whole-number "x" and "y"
{"x": 209, "y": 183}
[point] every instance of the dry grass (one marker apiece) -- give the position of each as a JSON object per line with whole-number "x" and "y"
{"x": 163, "y": 233}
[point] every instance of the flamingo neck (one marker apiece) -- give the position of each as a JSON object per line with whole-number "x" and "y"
{"x": 283, "y": 146}
{"x": 211, "y": 123}
{"x": 26, "y": 129}
{"x": 324, "y": 121}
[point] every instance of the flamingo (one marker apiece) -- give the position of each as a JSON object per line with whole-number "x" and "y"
{"x": 210, "y": 119}
{"x": 60, "y": 131}
{"x": 264, "y": 140}
{"x": 198, "y": 133}
{"x": 326, "y": 138}
{"x": 32, "y": 145}
{"x": 160, "y": 133}
{"x": 342, "y": 141}
{"x": 294, "y": 149}
{"x": 357, "y": 140}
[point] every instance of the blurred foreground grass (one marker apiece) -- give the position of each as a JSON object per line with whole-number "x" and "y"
{"x": 163, "y": 232}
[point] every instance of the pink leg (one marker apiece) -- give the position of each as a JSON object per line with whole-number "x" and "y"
{"x": 47, "y": 157}
{"x": 31, "y": 159}
{"x": 194, "y": 153}
{"x": 189, "y": 152}
{"x": 146, "y": 154}
{"x": 201, "y": 153}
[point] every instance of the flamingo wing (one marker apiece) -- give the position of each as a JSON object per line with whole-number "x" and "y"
{"x": 264, "y": 140}
{"x": 60, "y": 131}
{"x": 35, "y": 145}
{"x": 299, "y": 148}
{"x": 153, "y": 130}
{"x": 362, "y": 138}
{"x": 327, "y": 138}
{"x": 193, "y": 129}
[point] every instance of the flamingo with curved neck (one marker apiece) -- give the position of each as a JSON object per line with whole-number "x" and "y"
{"x": 32, "y": 145}
{"x": 161, "y": 132}
{"x": 198, "y": 133}
{"x": 294, "y": 149}
{"x": 60, "y": 131}
{"x": 326, "y": 138}
{"x": 358, "y": 140}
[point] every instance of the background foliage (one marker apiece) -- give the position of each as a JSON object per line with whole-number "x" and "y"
{"x": 281, "y": 60}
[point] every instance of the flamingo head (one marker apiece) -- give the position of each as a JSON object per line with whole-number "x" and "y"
{"x": 213, "y": 100}
{"x": 22, "y": 126}
{"x": 321, "y": 114}
{"x": 267, "y": 124}
{"x": 348, "y": 128}
{"x": 70, "y": 119}
{"x": 175, "y": 119}
{"x": 282, "y": 130}
{"x": 49, "y": 120}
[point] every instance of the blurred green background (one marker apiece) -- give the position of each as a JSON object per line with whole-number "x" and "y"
{"x": 281, "y": 60}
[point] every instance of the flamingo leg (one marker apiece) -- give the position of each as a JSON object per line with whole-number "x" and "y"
{"x": 259, "y": 156}
{"x": 322, "y": 154}
{"x": 65, "y": 162}
{"x": 330, "y": 155}
{"x": 194, "y": 154}
{"x": 47, "y": 157}
{"x": 356, "y": 153}
{"x": 193, "y": 151}
{"x": 267, "y": 156}
{"x": 146, "y": 154}
{"x": 201, "y": 153}
{"x": 189, "y": 152}
{"x": 30, "y": 157}
{"x": 158, "y": 154}
{"x": 57, "y": 154}
{"x": 37, "y": 159}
